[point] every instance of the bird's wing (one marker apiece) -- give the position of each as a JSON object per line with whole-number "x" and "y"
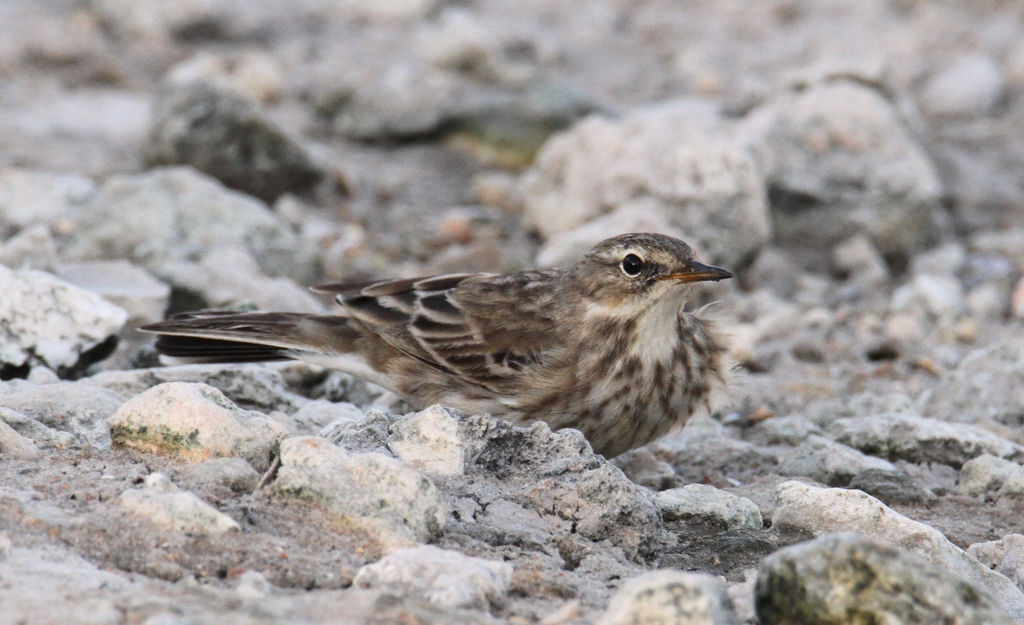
{"x": 481, "y": 327}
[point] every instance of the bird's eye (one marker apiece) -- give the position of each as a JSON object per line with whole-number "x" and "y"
{"x": 632, "y": 265}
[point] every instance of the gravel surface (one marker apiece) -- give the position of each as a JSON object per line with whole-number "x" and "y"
{"x": 856, "y": 164}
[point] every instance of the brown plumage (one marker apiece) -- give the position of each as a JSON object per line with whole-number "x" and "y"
{"x": 603, "y": 346}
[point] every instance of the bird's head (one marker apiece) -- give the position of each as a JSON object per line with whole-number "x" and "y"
{"x": 639, "y": 268}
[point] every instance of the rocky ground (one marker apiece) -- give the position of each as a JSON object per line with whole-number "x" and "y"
{"x": 857, "y": 164}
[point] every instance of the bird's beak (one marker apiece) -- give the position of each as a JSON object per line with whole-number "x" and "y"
{"x": 698, "y": 272}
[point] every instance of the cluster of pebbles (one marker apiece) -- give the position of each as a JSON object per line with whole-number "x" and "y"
{"x": 855, "y": 163}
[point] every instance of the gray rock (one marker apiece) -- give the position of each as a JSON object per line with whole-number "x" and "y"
{"x": 152, "y": 22}
{"x": 833, "y": 510}
{"x": 680, "y": 162}
{"x": 988, "y": 384}
{"x": 775, "y": 269}
{"x": 447, "y": 578}
{"x": 165, "y": 505}
{"x": 824, "y": 411}
{"x": 429, "y": 442}
{"x": 46, "y": 321}
{"x": 1005, "y": 556}
{"x": 224, "y": 134}
{"x": 829, "y": 462}
{"x": 513, "y": 125}
{"x": 34, "y": 430}
{"x": 670, "y": 598}
{"x": 841, "y": 579}
{"x": 132, "y": 288}
{"x": 987, "y": 473}
{"x": 234, "y": 474}
{"x": 195, "y": 422}
{"x": 556, "y": 475}
{"x": 891, "y": 487}
{"x": 703, "y": 448}
{"x": 254, "y": 387}
{"x": 316, "y": 415}
{"x": 13, "y": 444}
{"x": 789, "y": 430}
{"x": 228, "y": 275}
{"x": 29, "y": 197}
{"x": 403, "y": 101}
{"x": 338, "y": 387}
{"x": 177, "y": 214}
{"x": 396, "y": 506}
{"x": 839, "y": 161}
{"x": 368, "y": 433}
{"x": 78, "y": 409}
{"x": 971, "y": 86}
{"x": 917, "y": 439}
{"x": 709, "y": 504}
{"x": 511, "y": 524}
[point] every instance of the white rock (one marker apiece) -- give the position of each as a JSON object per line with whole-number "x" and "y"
{"x": 132, "y": 288}
{"x": 447, "y": 578}
{"x": 565, "y": 248}
{"x": 1005, "y": 556}
{"x": 394, "y": 504}
{"x": 986, "y": 473}
{"x": 835, "y": 510}
{"x": 30, "y": 197}
{"x": 917, "y": 439}
{"x": 829, "y": 462}
{"x": 165, "y": 505}
{"x": 196, "y": 422}
{"x": 971, "y": 86}
{"x": 941, "y": 296}
{"x": 253, "y": 73}
{"x": 708, "y": 503}
{"x": 32, "y": 248}
{"x": 428, "y": 441}
{"x": 668, "y": 598}
{"x": 229, "y": 274}
{"x": 78, "y": 409}
{"x": 944, "y": 260}
{"x": 1005, "y": 242}
{"x": 990, "y": 301}
{"x": 253, "y": 586}
{"x": 41, "y": 375}
{"x": 681, "y": 161}
{"x": 859, "y": 257}
{"x": 47, "y": 321}
{"x": 385, "y": 10}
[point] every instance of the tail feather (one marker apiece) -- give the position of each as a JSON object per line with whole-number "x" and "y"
{"x": 198, "y": 350}
{"x": 222, "y": 336}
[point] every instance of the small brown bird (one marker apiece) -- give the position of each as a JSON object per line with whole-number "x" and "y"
{"x": 603, "y": 346}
